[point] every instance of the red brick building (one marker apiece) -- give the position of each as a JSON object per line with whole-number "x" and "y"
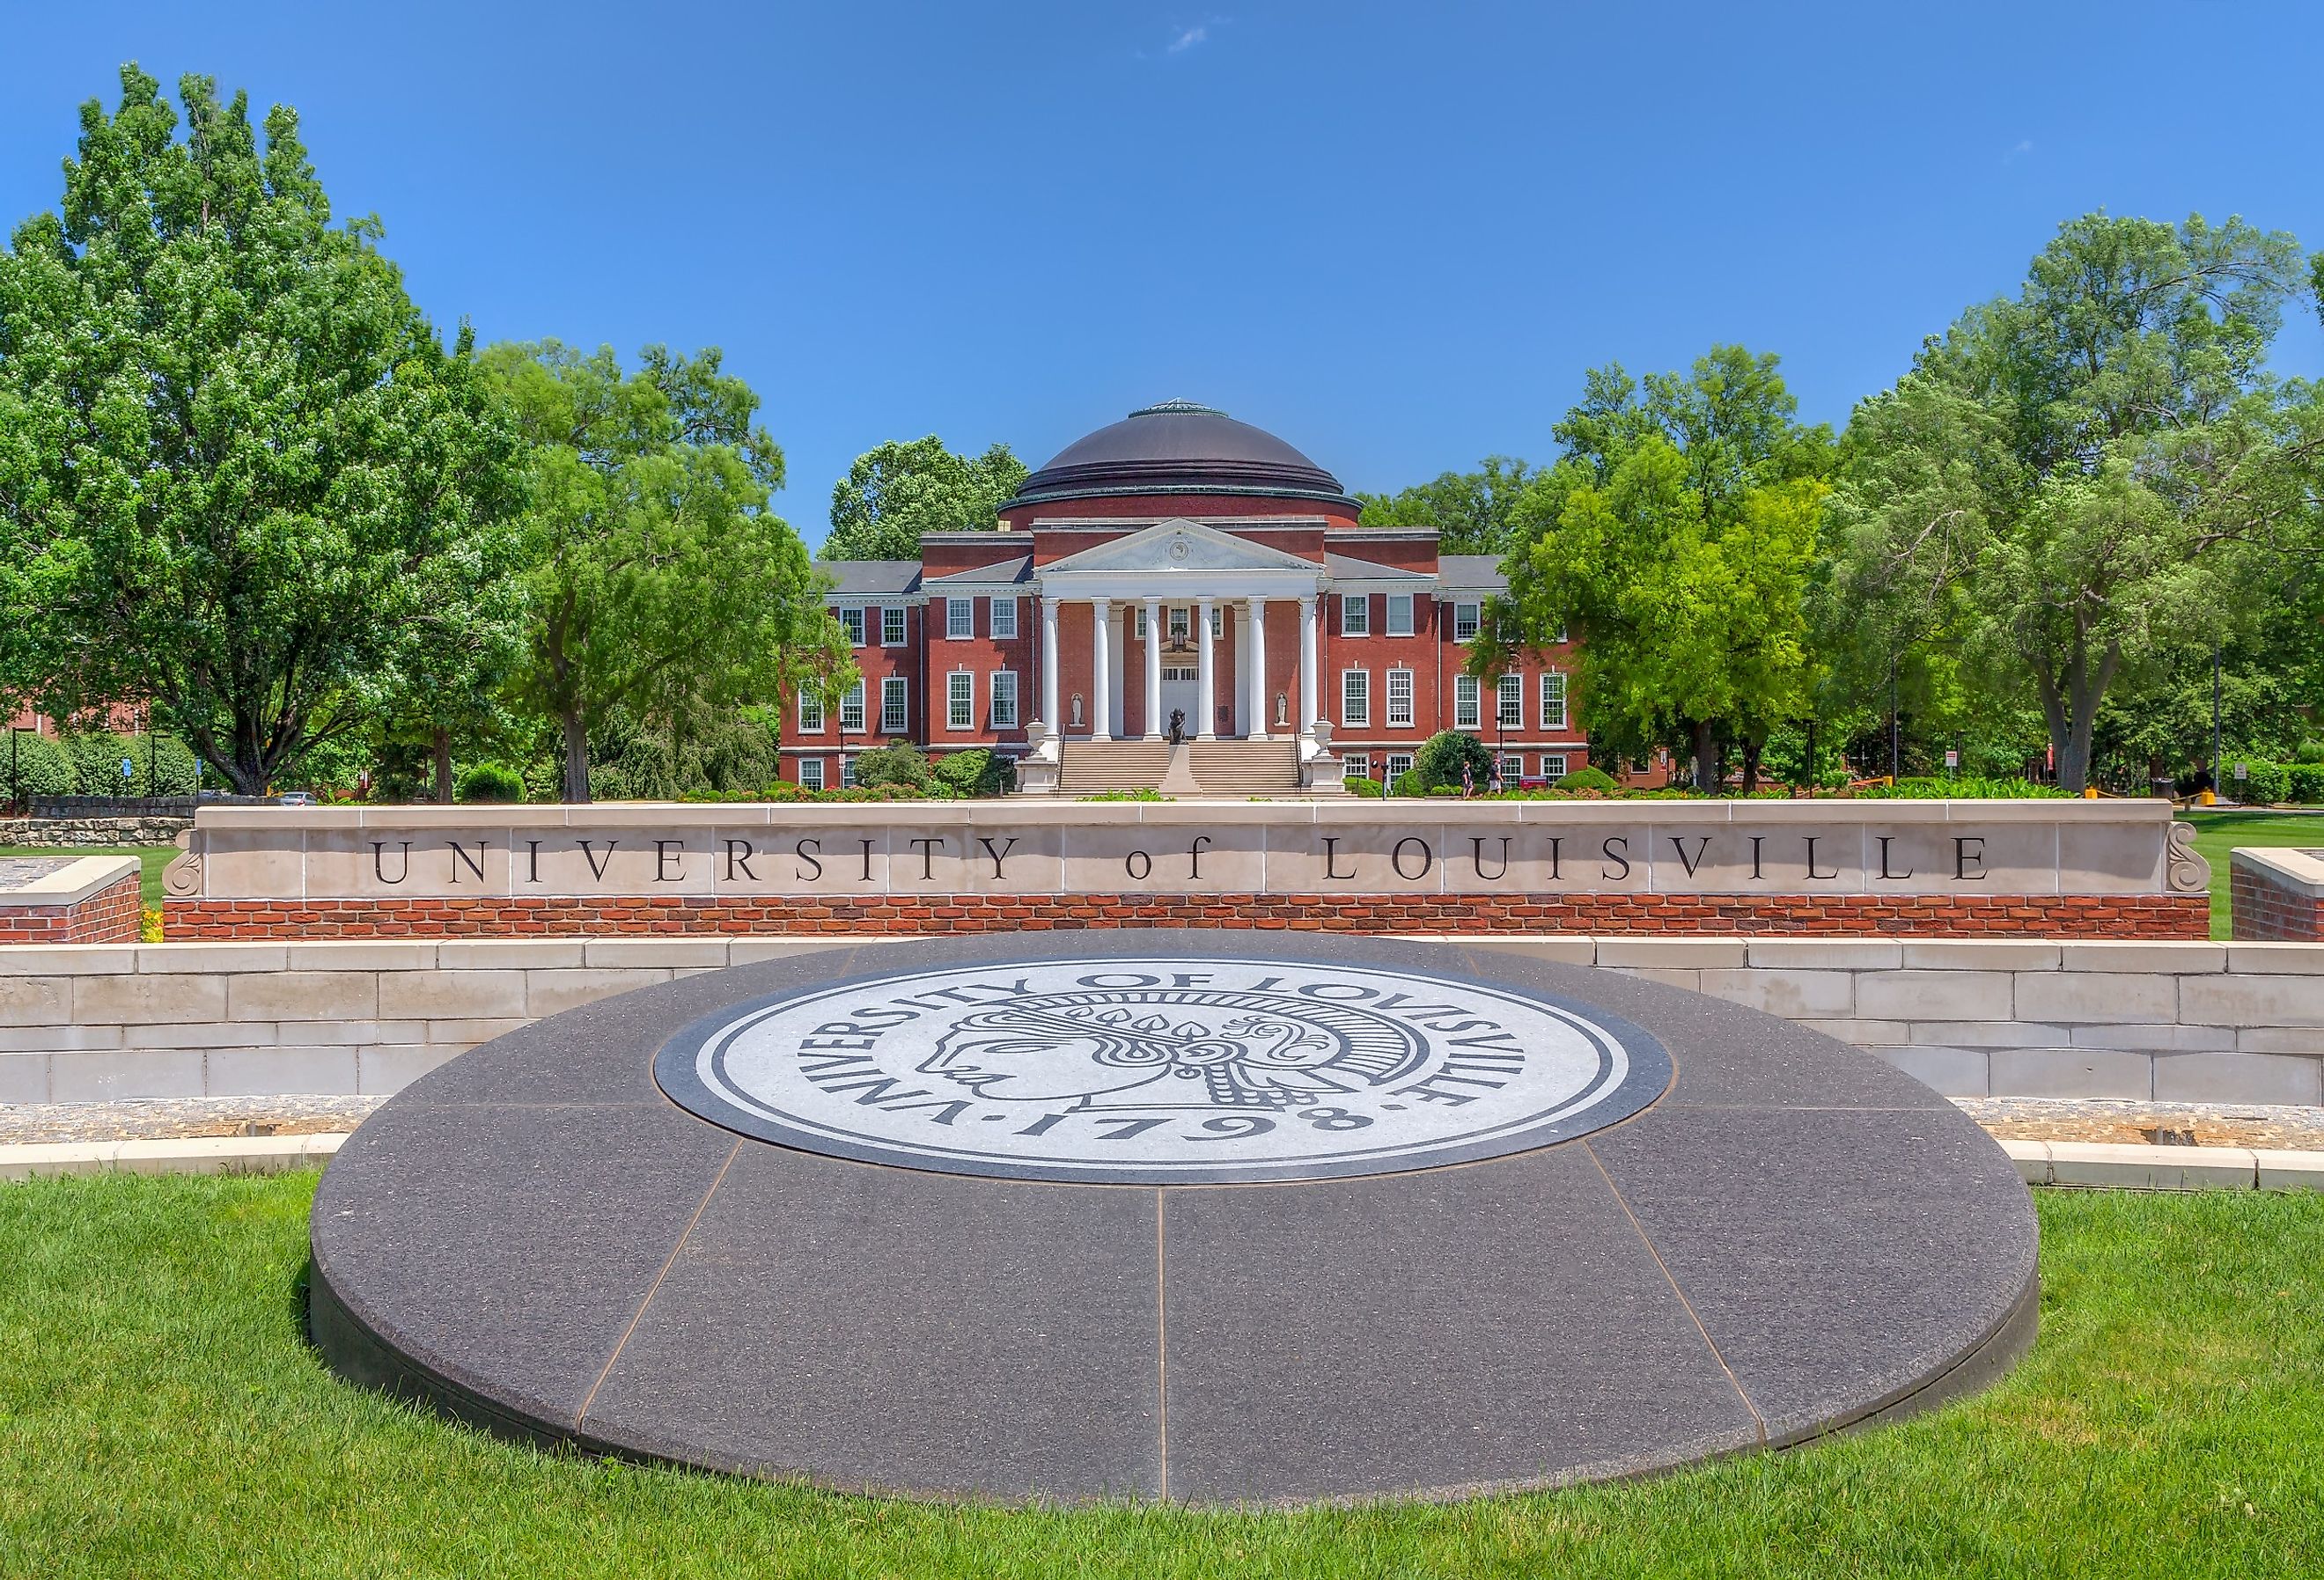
{"x": 1180, "y": 565}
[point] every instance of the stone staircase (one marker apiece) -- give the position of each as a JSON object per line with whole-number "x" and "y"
{"x": 1222, "y": 768}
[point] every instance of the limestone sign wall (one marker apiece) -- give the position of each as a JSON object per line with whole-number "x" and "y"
{"x": 1927, "y": 867}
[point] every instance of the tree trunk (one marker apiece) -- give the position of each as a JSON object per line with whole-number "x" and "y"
{"x": 1751, "y": 750}
{"x": 443, "y": 744}
{"x": 576, "y": 756}
{"x": 1706, "y": 757}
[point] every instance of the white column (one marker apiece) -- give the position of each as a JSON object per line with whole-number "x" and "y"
{"x": 1101, "y": 683}
{"x": 1258, "y": 730}
{"x": 1209, "y": 711}
{"x": 1049, "y": 714}
{"x": 1116, "y": 674}
{"x": 1307, "y": 666}
{"x": 1157, "y": 728}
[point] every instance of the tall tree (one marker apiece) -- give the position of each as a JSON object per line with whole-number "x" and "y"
{"x": 239, "y": 473}
{"x": 1675, "y": 540}
{"x": 1472, "y": 513}
{"x": 893, "y": 493}
{"x": 2072, "y": 484}
{"x": 659, "y": 579}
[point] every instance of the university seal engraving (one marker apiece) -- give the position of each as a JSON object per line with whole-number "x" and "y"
{"x": 1163, "y": 1071}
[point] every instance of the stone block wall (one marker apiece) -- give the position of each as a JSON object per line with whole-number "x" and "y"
{"x": 2192, "y": 1021}
{"x": 73, "y": 833}
{"x": 2279, "y": 894}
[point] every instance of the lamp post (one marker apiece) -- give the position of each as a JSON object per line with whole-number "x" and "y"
{"x": 2214, "y": 721}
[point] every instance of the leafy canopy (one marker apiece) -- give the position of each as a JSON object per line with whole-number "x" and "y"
{"x": 895, "y": 492}
{"x": 239, "y": 473}
{"x": 1472, "y": 513}
{"x": 658, "y": 578}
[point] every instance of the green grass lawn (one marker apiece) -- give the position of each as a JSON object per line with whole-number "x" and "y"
{"x": 150, "y": 860}
{"x": 2218, "y": 833}
{"x": 159, "y": 1414}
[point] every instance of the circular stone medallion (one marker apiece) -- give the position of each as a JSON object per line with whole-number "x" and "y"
{"x": 1163, "y": 1071}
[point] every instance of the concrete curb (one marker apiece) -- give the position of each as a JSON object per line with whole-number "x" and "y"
{"x": 171, "y": 1155}
{"x": 2089, "y": 1164}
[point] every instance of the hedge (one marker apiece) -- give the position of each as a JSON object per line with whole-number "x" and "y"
{"x": 39, "y": 769}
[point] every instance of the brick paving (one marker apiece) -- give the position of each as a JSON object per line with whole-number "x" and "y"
{"x": 2043, "y": 1119}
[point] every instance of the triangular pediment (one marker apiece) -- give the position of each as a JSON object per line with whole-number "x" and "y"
{"x": 1179, "y": 545}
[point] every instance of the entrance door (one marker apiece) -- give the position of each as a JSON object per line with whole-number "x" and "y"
{"x": 1181, "y": 688}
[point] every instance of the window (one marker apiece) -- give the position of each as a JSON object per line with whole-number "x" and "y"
{"x": 1552, "y": 701}
{"x": 1004, "y": 619}
{"x": 1355, "y": 615}
{"x": 960, "y": 619}
{"x": 1512, "y": 769}
{"x": 810, "y": 712}
{"x": 1176, "y": 672}
{"x": 1553, "y": 766}
{"x": 1399, "y": 699}
{"x": 1399, "y": 614}
{"x": 1355, "y": 697}
{"x": 891, "y": 628}
{"x": 1140, "y": 632}
{"x": 895, "y": 719}
{"x": 851, "y": 706}
{"x": 1181, "y": 625}
{"x": 960, "y": 700}
{"x": 1464, "y": 702}
{"x": 1004, "y": 699}
{"x": 847, "y": 773}
{"x": 1399, "y": 764}
{"x": 811, "y": 774}
{"x": 1356, "y": 764}
{"x": 1218, "y": 622}
{"x": 1509, "y": 711}
{"x": 851, "y": 621}
{"x": 1464, "y": 622}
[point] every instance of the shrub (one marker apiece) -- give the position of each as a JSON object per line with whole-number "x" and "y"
{"x": 2264, "y": 782}
{"x": 95, "y": 756}
{"x": 1595, "y": 780}
{"x": 979, "y": 771}
{"x": 2306, "y": 781}
{"x": 1440, "y": 759}
{"x": 490, "y": 781}
{"x": 1364, "y": 789}
{"x": 40, "y": 769}
{"x": 1147, "y": 794}
{"x": 165, "y": 765}
{"x": 1962, "y": 787}
{"x": 899, "y": 763}
{"x": 1409, "y": 783}
{"x": 2310, "y": 750}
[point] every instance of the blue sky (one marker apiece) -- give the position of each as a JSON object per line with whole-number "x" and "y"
{"x": 1394, "y": 234}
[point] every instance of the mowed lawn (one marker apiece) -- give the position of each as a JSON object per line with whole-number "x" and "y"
{"x": 150, "y": 860}
{"x": 159, "y": 1414}
{"x": 2218, "y": 833}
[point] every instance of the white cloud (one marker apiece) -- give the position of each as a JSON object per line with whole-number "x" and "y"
{"x": 2025, "y": 147}
{"x": 1188, "y": 38}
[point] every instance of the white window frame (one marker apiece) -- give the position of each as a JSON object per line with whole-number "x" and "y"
{"x": 1178, "y": 624}
{"x": 1553, "y": 766}
{"x": 810, "y": 711}
{"x": 1399, "y": 699}
{"x": 851, "y": 621}
{"x": 1003, "y": 617}
{"x": 1508, "y": 702}
{"x": 1468, "y": 703}
{"x": 960, "y": 700}
{"x": 1004, "y": 699}
{"x": 1402, "y": 603}
{"x": 846, "y": 771}
{"x": 1399, "y": 764}
{"x": 1512, "y": 769}
{"x": 895, "y": 705}
{"x": 1218, "y": 622}
{"x": 894, "y": 628}
{"x": 960, "y": 619}
{"x": 853, "y": 702}
{"x": 1355, "y": 613}
{"x": 1356, "y": 764}
{"x": 1466, "y": 618}
{"x": 1355, "y": 699}
{"x": 810, "y": 769}
{"x": 1139, "y": 622}
{"x": 1553, "y": 700}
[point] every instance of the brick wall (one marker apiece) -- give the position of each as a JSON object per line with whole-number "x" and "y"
{"x": 2191, "y": 1021}
{"x": 2278, "y": 894}
{"x": 109, "y": 916}
{"x": 2120, "y": 915}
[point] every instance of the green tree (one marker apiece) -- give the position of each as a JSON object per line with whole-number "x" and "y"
{"x": 1472, "y": 513}
{"x": 2070, "y": 485}
{"x": 659, "y": 579}
{"x": 1676, "y": 541}
{"x": 893, "y": 493}
{"x": 239, "y": 473}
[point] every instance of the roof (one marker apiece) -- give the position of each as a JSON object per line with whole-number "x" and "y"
{"x": 1179, "y": 447}
{"x": 858, "y": 578}
{"x": 1348, "y": 568}
{"x": 1479, "y": 571}
{"x": 1001, "y": 573}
